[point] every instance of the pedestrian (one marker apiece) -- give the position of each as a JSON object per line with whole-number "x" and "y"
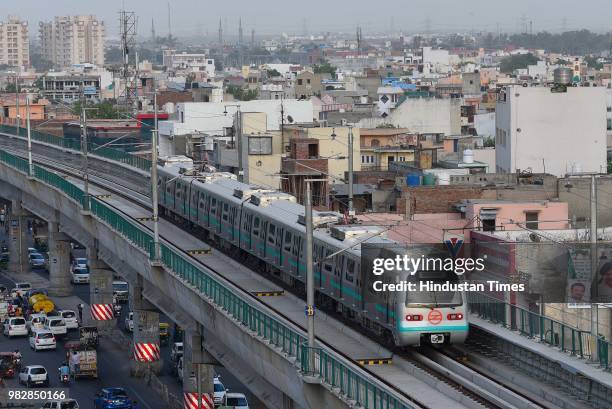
{"x": 80, "y": 308}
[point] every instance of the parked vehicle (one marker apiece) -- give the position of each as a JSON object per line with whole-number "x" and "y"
{"x": 88, "y": 360}
{"x": 219, "y": 391}
{"x": 42, "y": 339}
{"x": 112, "y": 398}
{"x": 61, "y": 404}
{"x": 20, "y": 289}
{"x": 33, "y": 375}
{"x": 70, "y": 318}
{"x": 15, "y": 327}
{"x": 57, "y": 326}
{"x": 128, "y": 323}
{"x": 177, "y": 351}
{"x": 120, "y": 291}
{"x": 236, "y": 401}
{"x": 79, "y": 275}
{"x": 37, "y": 261}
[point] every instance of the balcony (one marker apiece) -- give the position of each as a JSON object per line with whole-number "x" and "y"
{"x": 292, "y": 166}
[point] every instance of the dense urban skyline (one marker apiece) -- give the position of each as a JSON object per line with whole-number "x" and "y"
{"x": 190, "y": 17}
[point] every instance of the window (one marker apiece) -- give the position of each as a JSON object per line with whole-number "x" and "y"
{"x": 287, "y": 245}
{"x": 350, "y": 270}
{"x": 307, "y": 80}
{"x": 609, "y": 109}
{"x": 488, "y": 225}
{"x": 531, "y": 219}
{"x": 256, "y": 227}
{"x": 213, "y": 205}
{"x": 328, "y": 263}
{"x": 609, "y": 124}
{"x": 374, "y": 143}
{"x": 260, "y": 145}
{"x": 300, "y": 81}
{"x": 339, "y": 266}
{"x": 271, "y": 233}
{"x": 225, "y": 213}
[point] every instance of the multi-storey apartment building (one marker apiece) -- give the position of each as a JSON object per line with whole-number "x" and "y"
{"x": 70, "y": 40}
{"x": 14, "y": 43}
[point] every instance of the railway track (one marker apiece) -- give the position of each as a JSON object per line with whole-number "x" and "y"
{"x": 474, "y": 390}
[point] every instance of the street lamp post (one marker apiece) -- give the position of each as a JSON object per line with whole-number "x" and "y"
{"x": 84, "y": 147}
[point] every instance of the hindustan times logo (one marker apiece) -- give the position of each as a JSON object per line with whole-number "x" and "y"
{"x": 411, "y": 265}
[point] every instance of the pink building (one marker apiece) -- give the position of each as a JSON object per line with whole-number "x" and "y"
{"x": 491, "y": 215}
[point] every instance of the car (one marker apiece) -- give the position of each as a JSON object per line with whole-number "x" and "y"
{"x": 219, "y": 391}
{"x": 80, "y": 262}
{"x": 34, "y": 375}
{"x": 112, "y": 398}
{"x": 42, "y": 339}
{"x": 176, "y": 352}
{"x": 128, "y": 323}
{"x": 37, "y": 261}
{"x": 14, "y": 327}
{"x": 76, "y": 246}
{"x": 60, "y": 404}
{"x": 56, "y": 325}
{"x": 20, "y": 289}
{"x": 32, "y": 250}
{"x": 236, "y": 401}
{"x": 79, "y": 275}
{"x": 36, "y": 321}
{"x": 120, "y": 291}
{"x": 70, "y": 318}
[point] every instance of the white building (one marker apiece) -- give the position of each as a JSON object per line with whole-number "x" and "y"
{"x": 14, "y": 43}
{"x": 439, "y": 60}
{"x": 551, "y": 132}
{"x": 215, "y": 118}
{"x": 189, "y": 62}
{"x": 70, "y": 40}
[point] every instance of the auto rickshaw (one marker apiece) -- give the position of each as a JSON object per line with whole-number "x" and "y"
{"x": 164, "y": 333}
{"x": 9, "y": 364}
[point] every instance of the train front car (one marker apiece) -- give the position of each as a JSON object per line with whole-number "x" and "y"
{"x": 432, "y": 311}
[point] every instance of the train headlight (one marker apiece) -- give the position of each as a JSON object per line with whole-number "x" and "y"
{"x": 414, "y": 317}
{"x": 454, "y": 317}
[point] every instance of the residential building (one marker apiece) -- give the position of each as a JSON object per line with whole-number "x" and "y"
{"x": 189, "y": 62}
{"x": 307, "y": 84}
{"x": 69, "y": 87}
{"x": 14, "y": 43}
{"x": 530, "y": 121}
{"x": 72, "y": 40}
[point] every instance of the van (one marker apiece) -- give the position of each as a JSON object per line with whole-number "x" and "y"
{"x": 56, "y": 325}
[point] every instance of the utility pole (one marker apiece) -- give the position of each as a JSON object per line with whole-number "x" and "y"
{"x": 29, "y": 133}
{"x": 237, "y": 132}
{"x": 17, "y": 115}
{"x": 309, "y": 274}
{"x": 154, "y": 198}
{"x": 351, "y": 210}
{"x": 593, "y": 236}
{"x": 84, "y": 148}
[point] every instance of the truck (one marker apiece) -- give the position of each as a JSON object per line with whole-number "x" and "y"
{"x": 88, "y": 336}
{"x": 88, "y": 360}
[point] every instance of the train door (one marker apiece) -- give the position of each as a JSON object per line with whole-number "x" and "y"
{"x": 193, "y": 205}
{"x": 294, "y": 262}
{"x": 327, "y": 270}
{"x": 256, "y": 242}
{"x": 338, "y": 270}
{"x": 170, "y": 199}
{"x": 286, "y": 251}
{"x": 213, "y": 217}
{"x": 234, "y": 224}
{"x": 202, "y": 218}
{"x": 245, "y": 235}
{"x": 317, "y": 258}
{"x": 225, "y": 223}
{"x": 271, "y": 244}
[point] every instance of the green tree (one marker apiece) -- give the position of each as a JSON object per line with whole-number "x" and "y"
{"x": 241, "y": 94}
{"x": 273, "y": 73}
{"x": 517, "y": 61}
{"x": 325, "y": 68}
{"x": 40, "y": 63}
{"x": 100, "y": 110}
{"x": 10, "y": 87}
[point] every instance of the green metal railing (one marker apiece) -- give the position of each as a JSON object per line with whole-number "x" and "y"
{"x": 534, "y": 325}
{"x": 329, "y": 369}
{"x": 93, "y": 149}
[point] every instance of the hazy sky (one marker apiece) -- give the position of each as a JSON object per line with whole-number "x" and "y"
{"x": 272, "y": 16}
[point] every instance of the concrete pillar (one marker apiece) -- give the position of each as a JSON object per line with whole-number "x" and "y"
{"x": 146, "y": 352}
{"x": 18, "y": 239}
{"x": 198, "y": 367}
{"x": 59, "y": 262}
{"x": 100, "y": 293}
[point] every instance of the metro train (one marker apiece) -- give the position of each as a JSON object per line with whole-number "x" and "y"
{"x": 267, "y": 227}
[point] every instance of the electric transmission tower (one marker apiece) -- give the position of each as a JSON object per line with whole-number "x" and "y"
{"x": 129, "y": 74}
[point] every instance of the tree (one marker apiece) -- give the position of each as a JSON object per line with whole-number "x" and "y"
{"x": 325, "y": 68}
{"x": 488, "y": 142}
{"x": 10, "y": 87}
{"x": 273, "y": 73}
{"x": 517, "y": 61}
{"x": 100, "y": 110}
{"x": 40, "y": 63}
{"x": 241, "y": 94}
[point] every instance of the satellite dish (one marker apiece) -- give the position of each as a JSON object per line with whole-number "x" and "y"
{"x": 290, "y": 119}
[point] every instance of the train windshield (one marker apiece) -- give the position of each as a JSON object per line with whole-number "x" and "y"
{"x": 434, "y": 289}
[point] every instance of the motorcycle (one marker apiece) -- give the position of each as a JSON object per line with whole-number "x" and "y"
{"x": 117, "y": 309}
{"x": 63, "y": 377}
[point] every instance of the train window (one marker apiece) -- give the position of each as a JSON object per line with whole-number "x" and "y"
{"x": 213, "y": 205}
{"x": 201, "y": 204}
{"x": 225, "y": 214}
{"x": 328, "y": 263}
{"x": 350, "y": 270}
{"x": 246, "y": 222}
{"x": 287, "y": 245}
{"x": 339, "y": 266}
{"x": 159, "y": 181}
{"x": 296, "y": 245}
{"x": 256, "y": 227}
{"x": 271, "y": 233}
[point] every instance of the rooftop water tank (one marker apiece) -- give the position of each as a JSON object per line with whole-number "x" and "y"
{"x": 468, "y": 156}
{"x": 429, "y": 179}
{"x": 413, "y": 180}
{"x": 563, "y": 76}
{"x": 443, "y": 178}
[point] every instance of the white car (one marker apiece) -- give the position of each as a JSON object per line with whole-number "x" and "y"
{"x": 42, "y": 339}
{"x": 79, "y": 262}
{"x": 20, "y": 289}
{"x": 70, "y": 318}
{"x": 236, "y": 401}
{"x": 36, "y": 321}
{"x": 15, "y": 327}
{"x": 37, "y": 260}
{"x": 219, "y": 392}
{"x": 128, "y": 324}
{"x": 34, "y": 375}
{"x": 61, "y": 404}
{"x": 176, "y": 352}
{"x": 79, "y": 275}
{"x": 56, "y": 325}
